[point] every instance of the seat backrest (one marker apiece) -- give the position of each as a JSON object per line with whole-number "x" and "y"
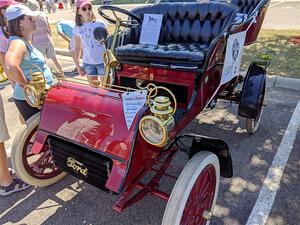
{"x": 245, "y": 6}
{"x": 198, "y": 22}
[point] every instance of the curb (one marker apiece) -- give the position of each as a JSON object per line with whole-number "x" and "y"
{"x": 275, "y": 81}
{"x": 287, "y": 82}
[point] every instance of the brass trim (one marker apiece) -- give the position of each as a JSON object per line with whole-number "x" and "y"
{"x": 161, "y": 124}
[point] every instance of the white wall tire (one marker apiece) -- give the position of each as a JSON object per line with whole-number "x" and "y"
{"x": 194, "y": 170}
{"x": 22, "y": 161}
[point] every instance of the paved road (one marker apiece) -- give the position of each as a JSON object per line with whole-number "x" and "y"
{"x": 73, "y": 202}
{"x": 282, "y": 14}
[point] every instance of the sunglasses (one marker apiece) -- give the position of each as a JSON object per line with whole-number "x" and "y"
{"x": 87, "y": 8}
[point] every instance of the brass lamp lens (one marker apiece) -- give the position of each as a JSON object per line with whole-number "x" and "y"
{"x": 31, "y": 96}
{"x": 153, "y": 131}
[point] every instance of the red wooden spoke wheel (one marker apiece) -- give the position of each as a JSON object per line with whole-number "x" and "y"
{"x": 200, "y": 199}
{"x": 194, "y": 195}
{"x": 37, "y": 170}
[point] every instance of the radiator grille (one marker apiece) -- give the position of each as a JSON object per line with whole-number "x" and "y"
{"x": 80, "y": 162}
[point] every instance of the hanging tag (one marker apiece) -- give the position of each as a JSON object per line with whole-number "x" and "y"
{"x": 233, "y": 56}
{"x": 132, "y": 103}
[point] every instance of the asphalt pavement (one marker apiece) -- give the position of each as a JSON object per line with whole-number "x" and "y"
{"x": 74, "y": 202}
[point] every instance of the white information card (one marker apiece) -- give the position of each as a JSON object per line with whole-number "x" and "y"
{"x": 151, "y": 29}
{"x": 132, "y": 103}
{"x": 233, "y": 56}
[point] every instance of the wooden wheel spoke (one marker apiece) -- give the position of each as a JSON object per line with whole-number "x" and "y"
{"x": 186, "y": 220}
{"x": 195, "y": 190}
{"x": 204, "y": 190}
{"x": 41, "y": 161}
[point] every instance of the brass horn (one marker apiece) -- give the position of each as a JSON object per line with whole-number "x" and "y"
{"x": 110, "y": 59}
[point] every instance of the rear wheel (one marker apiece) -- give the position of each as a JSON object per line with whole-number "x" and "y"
{"x": 36, "y": 170}
{"x": 195, "y": 193}
{"x": 252, "y": 124}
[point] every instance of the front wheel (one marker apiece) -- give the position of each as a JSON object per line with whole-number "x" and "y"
{"x": 195, "y": 193}
{"x": 36, "y": 170}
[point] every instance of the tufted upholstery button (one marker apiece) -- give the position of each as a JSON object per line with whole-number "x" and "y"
{"x": 186, "y": 33}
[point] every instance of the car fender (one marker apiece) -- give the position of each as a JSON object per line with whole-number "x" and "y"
{"x": 254, "y": 83}
{"x": 216, "y": 146}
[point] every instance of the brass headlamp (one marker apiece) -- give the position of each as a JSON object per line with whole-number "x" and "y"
{"x": 35, "y": 90}
{"x": 156, "y": 128}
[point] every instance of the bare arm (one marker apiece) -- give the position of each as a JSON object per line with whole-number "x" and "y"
{"x": 49, "y": 28}
{"x": 77, "y": 55}
{"x": 2, "y": 58}
{"x": 64, "y": 37}
{"x": 13, "y": 59}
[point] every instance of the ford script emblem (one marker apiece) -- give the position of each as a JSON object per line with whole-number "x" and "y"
{"x": 78, "y": 167}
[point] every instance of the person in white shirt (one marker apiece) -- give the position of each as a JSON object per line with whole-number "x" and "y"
{"x": 92, "y": 50}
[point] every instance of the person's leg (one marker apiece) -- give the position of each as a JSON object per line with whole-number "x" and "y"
{"x": 100, "y": 72}
{"x": 91, "y": 74}
{"x": 9, "y": 183}
{"x": 25, "y": 109}
{"x": 5, "y": 177}
{"x": 48, "y": 6}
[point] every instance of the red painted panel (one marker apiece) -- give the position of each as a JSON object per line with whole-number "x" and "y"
{"x": 91, "y": 117}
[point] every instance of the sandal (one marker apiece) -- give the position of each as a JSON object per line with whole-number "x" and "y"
{"x": 16, "y": 185}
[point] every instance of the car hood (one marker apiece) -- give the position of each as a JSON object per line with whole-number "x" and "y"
{"x": 91, "y": 117}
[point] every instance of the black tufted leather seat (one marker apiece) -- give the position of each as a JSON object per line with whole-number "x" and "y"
{"x": 186, "y": 34}
{"x": 245, "y": 6}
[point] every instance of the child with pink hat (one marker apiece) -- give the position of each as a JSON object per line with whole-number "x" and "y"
{"x": 92, "y": 56}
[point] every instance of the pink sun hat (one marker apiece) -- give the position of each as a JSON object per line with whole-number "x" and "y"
{"x": 4, "y": 3}
{"x": 80, "y": 3}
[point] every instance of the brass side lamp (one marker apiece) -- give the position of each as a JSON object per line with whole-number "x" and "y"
{"x": 35, "y": 91}
{"x": 155, "y": 128}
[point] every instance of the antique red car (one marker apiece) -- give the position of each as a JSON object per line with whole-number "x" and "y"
{"x": 83, "y": 130}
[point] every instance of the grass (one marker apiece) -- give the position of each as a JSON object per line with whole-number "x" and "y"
{"x": 285, "y": 62}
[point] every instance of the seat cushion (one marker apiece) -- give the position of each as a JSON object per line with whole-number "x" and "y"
{"x": 186, "y": 53}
